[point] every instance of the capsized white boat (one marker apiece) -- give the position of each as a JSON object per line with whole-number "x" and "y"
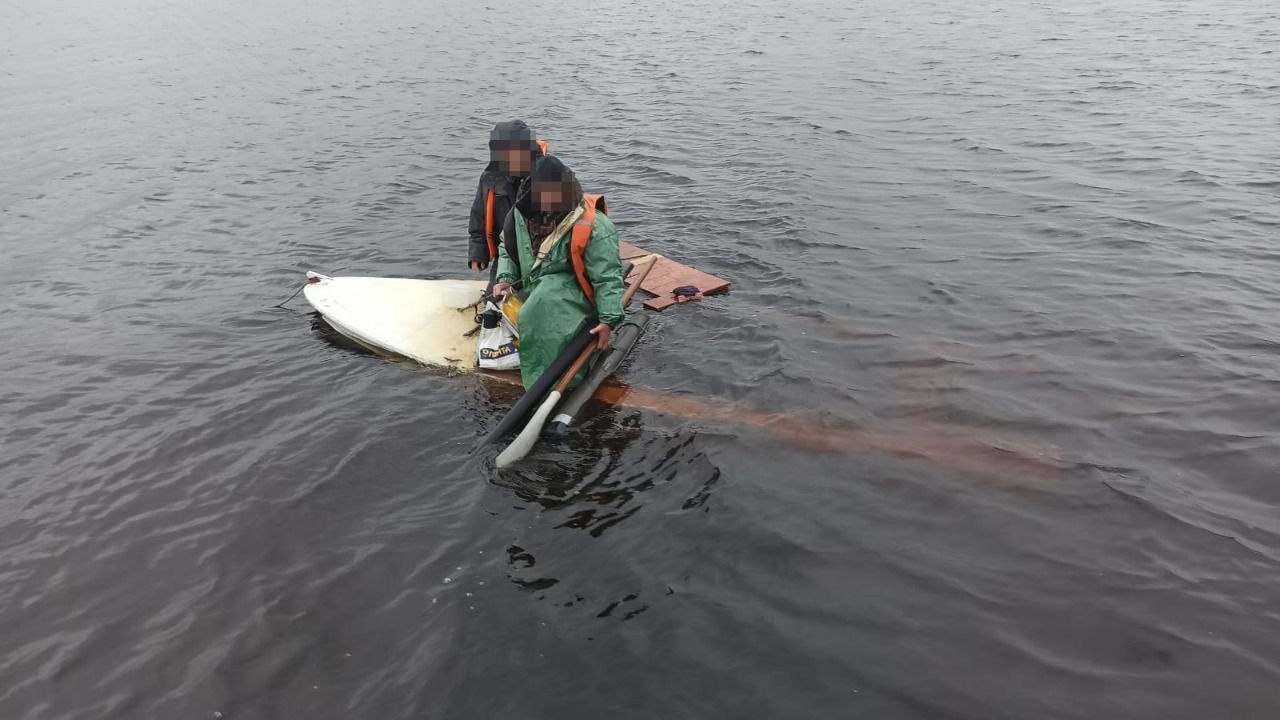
{"x": 430, "y": 321}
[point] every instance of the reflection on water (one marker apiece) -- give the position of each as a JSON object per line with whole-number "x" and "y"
{"x": 986, "y": 428}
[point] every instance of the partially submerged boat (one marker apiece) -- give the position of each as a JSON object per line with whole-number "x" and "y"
{"x": 430, "y": 321}
{"x": 437, "y": 322}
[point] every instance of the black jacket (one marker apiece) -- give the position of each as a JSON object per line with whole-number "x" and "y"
{"x": 504, "y": 190}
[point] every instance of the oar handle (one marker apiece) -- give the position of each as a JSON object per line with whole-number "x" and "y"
{"x": 626, "y": 297}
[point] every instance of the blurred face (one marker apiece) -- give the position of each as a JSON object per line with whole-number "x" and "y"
{"x": 552, "y": 196}
{"x": 513, "y": 159}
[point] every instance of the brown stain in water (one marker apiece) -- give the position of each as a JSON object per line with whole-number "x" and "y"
{"x": 994, "y": 456}
{"x": 997, "y": 457}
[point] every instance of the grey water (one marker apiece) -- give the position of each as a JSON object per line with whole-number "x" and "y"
{"x": 988, "y": 426}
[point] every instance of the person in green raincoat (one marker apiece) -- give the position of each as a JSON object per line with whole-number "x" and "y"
{"x": 536, "y": 255}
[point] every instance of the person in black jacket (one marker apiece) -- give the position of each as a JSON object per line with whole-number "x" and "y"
{"x": 513, "y": 148}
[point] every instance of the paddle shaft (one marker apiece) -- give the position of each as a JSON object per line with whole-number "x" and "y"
{"x": 590, "y": 349}
{"x": 631, "y": 289}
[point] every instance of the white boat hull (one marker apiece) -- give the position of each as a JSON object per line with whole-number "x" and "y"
{"x": 430, "y": 321}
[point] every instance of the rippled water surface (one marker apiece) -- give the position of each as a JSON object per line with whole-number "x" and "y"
{"x": 987, "y": 428}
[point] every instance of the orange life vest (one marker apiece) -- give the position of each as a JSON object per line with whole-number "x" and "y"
{"x": 490, "y": 222}
{"x": 578, "y": 241}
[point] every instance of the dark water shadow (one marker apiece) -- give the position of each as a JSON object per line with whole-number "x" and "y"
{"x": 600, "y": 498}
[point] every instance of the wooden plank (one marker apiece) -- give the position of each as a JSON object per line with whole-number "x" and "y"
{"x": 658, "y": 304}
{"x": 637, "y": 264}
{"x": 668, "y": 275}
{"x": 629, "y": 251}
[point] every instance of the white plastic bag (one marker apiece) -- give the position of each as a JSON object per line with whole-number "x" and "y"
{"x": 499, "y": 347}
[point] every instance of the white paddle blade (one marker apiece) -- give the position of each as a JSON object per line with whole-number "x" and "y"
{"x": 529, "y": 435}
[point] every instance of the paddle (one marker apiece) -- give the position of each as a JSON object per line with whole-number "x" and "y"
{"x": 525, "y": 405}
{"x": 521, "y": 410}
{"x": 529, "y": 435}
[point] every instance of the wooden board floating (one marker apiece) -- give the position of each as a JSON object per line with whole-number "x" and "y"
{"x": 668, "y": 275}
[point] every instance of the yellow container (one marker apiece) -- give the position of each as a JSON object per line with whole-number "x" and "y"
{"x": 511, "y": 309}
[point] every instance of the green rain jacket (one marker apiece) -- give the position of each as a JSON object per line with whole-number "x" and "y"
{"x": 556, "y": 305}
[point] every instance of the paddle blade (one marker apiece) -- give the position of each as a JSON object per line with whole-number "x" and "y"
{"x": 529, "y": 435}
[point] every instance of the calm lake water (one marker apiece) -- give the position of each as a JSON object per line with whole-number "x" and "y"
{"x": 988, "y": 427}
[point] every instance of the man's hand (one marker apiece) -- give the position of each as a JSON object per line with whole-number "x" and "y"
{"x": 479, "y": 265}
{"x": 602, "y": 333}
{"x": 501, "y": 290}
